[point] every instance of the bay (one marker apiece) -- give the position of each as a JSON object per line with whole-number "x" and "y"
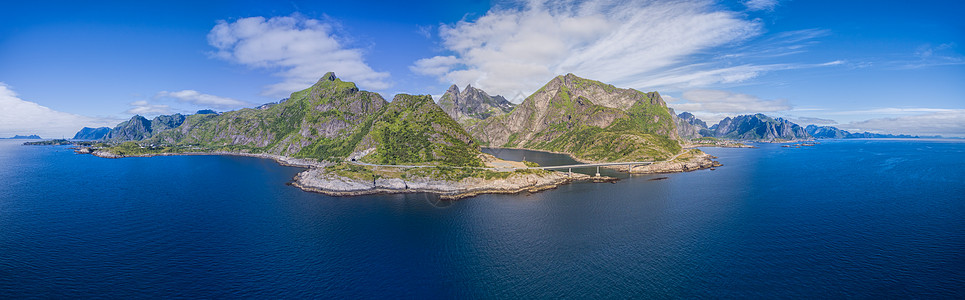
{"x": 845, "y": 218}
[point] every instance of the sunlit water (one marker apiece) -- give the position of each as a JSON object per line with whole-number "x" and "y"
{"x": 855, "y": 218}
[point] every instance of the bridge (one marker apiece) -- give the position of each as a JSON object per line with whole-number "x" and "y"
{"x": 569, "y": 168}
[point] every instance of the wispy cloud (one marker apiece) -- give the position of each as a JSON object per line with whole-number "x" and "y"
{"x": 145, "y": 108}
{"x": 755, "y": 5}
{"x": 299, "y": 48}
{"x": 946, "y": 122}
{"x": 717, "y": 101}
{"x": 673, "y": 45}
{"x": 928, "y": 55}
{"x": 18, "y": 116}
{"x": 199, "y": 99}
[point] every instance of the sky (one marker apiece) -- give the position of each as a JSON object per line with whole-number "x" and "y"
{"x": 879, "y": 66}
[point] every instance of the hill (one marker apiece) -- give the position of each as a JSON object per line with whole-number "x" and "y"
{"x": 588, "y": 119}
{"x": 331, "y": 120}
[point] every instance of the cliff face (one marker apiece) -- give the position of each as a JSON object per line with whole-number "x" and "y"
{"x": 473, "y": 104}
{"x": 88, "y": 133}
{"x": 689, "y": 126}
{"x": 758, "y": 127}
{"x": 588, "y": 119}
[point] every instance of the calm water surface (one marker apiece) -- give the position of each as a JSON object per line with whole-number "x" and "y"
{"x": 855, "y": 218}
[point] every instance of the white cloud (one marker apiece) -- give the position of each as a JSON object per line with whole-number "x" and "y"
{"x": 946, "y": 122}
{"x": 145, "y": 108}
{"x": 435, "y": 66}
{"x": 515, "y": 51}
{"x": 301, "y": 49}
{"x": 18, "y": 116}
{"x": 197, "y": 98}
{"x": 725, "y": 102}
{"x": 755, "y": 5}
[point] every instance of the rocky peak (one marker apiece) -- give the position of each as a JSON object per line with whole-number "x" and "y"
{"x": 472, "y": 103}
{"x": 330, "y": 76}
{"x": 759, "y": 127}
{"x": 453, "y": 89}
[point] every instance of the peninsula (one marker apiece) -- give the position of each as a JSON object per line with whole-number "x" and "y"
{"x": 354, "y": 142}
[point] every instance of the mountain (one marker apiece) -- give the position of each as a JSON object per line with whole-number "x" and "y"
{"x": 830, "y": 132}
{"x": 473, "y": 104}
{"x": 758, "y": 127}
{"x": 331, "y": 120}
{"x": 588, "y": 119}
{"x": 135, "y": 129}
{"x": 413, "y": 129}
{"x": 689, "y": 126}
{"x": 24, "y": 137}
{"x": 826, "y": 132}
{"x": 88, "y": 133}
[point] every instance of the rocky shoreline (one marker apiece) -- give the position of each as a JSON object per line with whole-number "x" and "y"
{"x": 280, "y": 159}
{"x": 697, "y": 162}
{"x": 317, "y": 180}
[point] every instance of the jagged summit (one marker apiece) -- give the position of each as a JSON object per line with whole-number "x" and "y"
{"x": 758, "y": 127}
{"x": 586, "y": 118}
{"x": 473, "y": 104}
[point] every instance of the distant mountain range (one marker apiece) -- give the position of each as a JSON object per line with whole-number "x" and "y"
{"x": 829, "y": 132}
{"x": 24, "y": 137}
{"x": 759, "y": 127}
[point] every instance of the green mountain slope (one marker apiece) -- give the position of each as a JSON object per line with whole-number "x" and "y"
{"x": 413, "y": 129}
{"x": 325, "y": 121}
{"x": 332, "y": 120}
{"x": 587, "y": 119}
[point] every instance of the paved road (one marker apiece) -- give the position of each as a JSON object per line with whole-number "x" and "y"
{"x": 510, "y": 169}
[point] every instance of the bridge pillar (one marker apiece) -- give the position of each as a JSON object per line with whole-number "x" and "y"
{"x": 569, "y": 172}
{"x": 597, "y": 171}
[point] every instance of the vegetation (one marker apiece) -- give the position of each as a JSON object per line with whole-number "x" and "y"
{"x": 414, "y": 130}
{"x": 368, "y": 173}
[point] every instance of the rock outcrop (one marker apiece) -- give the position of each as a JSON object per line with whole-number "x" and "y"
{"x": 318, "y": 180}
{"x": 695, "y": 161}
{"x": 689, "y": 126}
{"x": 473, "y": 104}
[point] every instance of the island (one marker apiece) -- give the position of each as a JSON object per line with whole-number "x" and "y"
{"x": 354, "y": 142}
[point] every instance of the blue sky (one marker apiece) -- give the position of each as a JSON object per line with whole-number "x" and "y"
{"x": 860, "y": 65}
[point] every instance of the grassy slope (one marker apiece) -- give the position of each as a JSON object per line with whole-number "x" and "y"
{"x": 634, "y": 136}
{"x": 277, "y": 129}
{"x": 413, "y": 129}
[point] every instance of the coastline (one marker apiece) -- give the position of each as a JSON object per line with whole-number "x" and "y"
{"x": 319, "y": 181}
{"x": 316, "y": 179}
{"x": 697, "y": 162}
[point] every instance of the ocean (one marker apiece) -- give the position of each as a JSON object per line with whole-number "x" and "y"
{"x": 844, "y": 218}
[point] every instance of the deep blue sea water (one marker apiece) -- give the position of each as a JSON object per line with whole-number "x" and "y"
{"x": 846, "y": 218}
